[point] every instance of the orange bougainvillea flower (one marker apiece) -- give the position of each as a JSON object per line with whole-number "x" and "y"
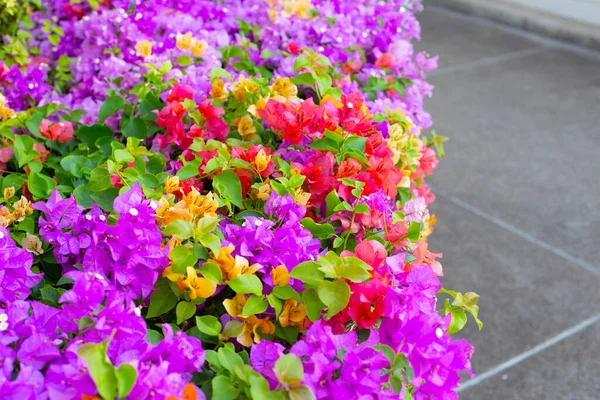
{"x": 425, "y": 257}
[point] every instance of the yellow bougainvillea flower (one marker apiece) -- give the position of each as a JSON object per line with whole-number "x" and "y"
{"x": 199, "y": 47}
{"x": 6, "y": 113}
{"x": 184, "y": 41}
{"x": 235, "y": 306}
{"x": 262, "y": 160}
{"x": 293, "y": 314}
{"x": 242, "y": 86}
{"x": 201, "y": 205}
{"x": 218, "y": 91}
{"x": 280, "y": 275}
{"x": 255, "y": 327}
{"x": 285, "y": 89}
{"x": 264, "y": 192}
{"x": 9, "y": 192}
{"x": 172, "y": 184}
{"x": 246, "y": 127}
{"x": 429, "y": 226}
{"x": 199, "y": 287}
{"x": 143, "y": 48}
{"x": 260, "y": 105}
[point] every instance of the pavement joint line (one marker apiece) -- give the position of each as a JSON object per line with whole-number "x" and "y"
{"x": 524, "y": 235}
{"x": 531, "y": 352}
{"x": 490, "y": 60}
{"x": 550, "y": 42}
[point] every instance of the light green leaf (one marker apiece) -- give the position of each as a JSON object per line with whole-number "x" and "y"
{"x": 308, "y": 272}
{"x": 184, "y": 311}
{"x": 126, "y": 377}
{"x": 335, "y": 295}
{"x": 289, "y": 370}
{"x": 243, "y": 284}
{"x": 209, "y": 325}
{"x": 254, "y": 305}
{"x": 228, "y": 185}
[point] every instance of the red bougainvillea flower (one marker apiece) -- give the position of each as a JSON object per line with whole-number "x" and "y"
{"x": 180, "y": 93}
{"x": 258, "y": 156}
{"x": 367, "y": 303}
{"x": 293, "y": 48}
{"x": 58, "y": 132}
{"x": 385, "y": 60}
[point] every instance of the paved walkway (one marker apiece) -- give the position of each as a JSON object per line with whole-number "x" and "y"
{"x": 519, "y": 203}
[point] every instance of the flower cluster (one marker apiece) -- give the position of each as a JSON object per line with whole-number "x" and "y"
{"x": 369, "y": 44}
{"x": 222, "y": 200}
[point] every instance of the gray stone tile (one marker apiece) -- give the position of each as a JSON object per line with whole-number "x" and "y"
{"x": 528, "y": 295}
{"x": 458, "y": 39}
{"x": 570, "y": 370}
{"x": 524, "y": 139}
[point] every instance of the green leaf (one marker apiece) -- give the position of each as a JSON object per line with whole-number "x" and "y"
{"x": 211, "y": 241}
{"x": 414, "y": 231}
{"x": 302, "y": 61}
{"x": 276, "y": 303}
{"x": 459, "y": 320}
{"x": 286, "y": 292}
{"x": 332, "y": 200}
{"x": 335, "y": 295}
{"x": 90, "y": 134}
{"x": 99, "y": 180}
{"x": 233, "y": 328}
{"x": 105, "y": 198}
{"x": 259, "y": 387}
{"x": 308, "y": 272}
{"x": 223, "y": 388}
{"x": 289, "y": 370}
{"x": 100, "y": 368}
{"x": 303, "y": 79}
{"x": 211, "y": 271}
{"x": 229, "y": 186}
{"x": 180, "y": 229}
{"x": 356, "y": 270}
{"x": 254, "y": 305}
{"x": 126, "y": 377}
{"x": 355, "y": 143}
{"x": 319, "y": 231}
{"x": 162, "y": 299}
{"x": 189, "y": 170}
{"x": 229, "y": 358}
{"x": 136, "y": 128}
{"x": 184, "y": 311}
{"x": 51, "y": 294}
{"x": 314, "y": 306}
{"x": 23, "y": 146}
{"x": 219, "y": 73}
{"x": 40, "y": 185}
{"x": 209, "y": 325}
{"x": 324, "y": 83}
{"x": 109, "y": 107}
{"x": 153, "y": 336}
{"x": 182, "y": 257}
{"x": 123, "y": 156}
{"x": 243, "y": 284}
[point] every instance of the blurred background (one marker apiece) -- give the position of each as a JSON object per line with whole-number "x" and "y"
{"x": 518, "y": 194}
